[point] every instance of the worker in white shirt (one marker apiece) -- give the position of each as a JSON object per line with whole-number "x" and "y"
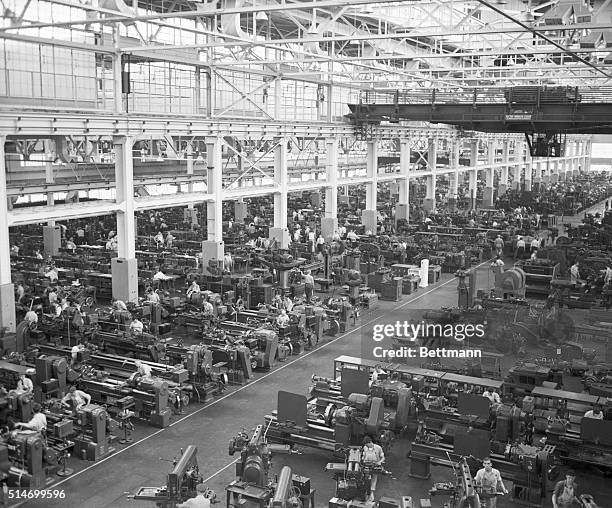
{"x": 282, "y": 319}
{"x": 136, "y": 326}
{"x": 352, "y": 236}
{"x": 535, "y": 244}
{"x": 38, "y": 422}
{"x": 159, "y": 240}
{"x": 575, "y": 273}
{"x": 499, "y": 245}
{"x": 372, "y": 455}
{"x": 152, "y": 296}
{"x": 595, "y": 413}
{"x": 228, "y": 262}
{"x": 489, "y": 481}
{"x": 202, "y": 499}
{"x": 143, "y": 369}
{"x": 52, "y": 274}
{"x": 70, "y": 245}
{"x": 297, "y": 235}
{"x": 207, "y": 308}
{"x": 76, "y": 398}
{"x": 608, "y": 275}
{"x": 378, "y": 372}
{"x": 520, "y": 248}
{"x": 492, "y": 395}
{"x": 74, "y": 353}
{"x": 312, "y": 240}
{"x": 120, "y": 305}
{"x": 534, "y": 255}
{"x": 194, "y": 289}
{"x": 25, "y": 385}
{"x": 308, "y": 284}
{"x": 320, "y": 243}
{"x": 169, "y": 240}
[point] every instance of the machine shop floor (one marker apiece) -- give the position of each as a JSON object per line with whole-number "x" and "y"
{"x": 210, "y": 428}
{"x": 147, "y": 461}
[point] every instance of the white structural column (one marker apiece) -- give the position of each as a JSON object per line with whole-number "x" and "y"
{"x": 473, "y": 174}
{"x": 554, "y": 172}
{"x": 578, "y": 161}
{"x": 191, "y": 214}
{"x": 517, "y": 167}
{"x": 402, "y": 210}
{"x": 586, "y": 151}
{"x": 329, "y": 223}
{"x": 280, "y": 232}
{"x": 124, "y": 267}
{"x": 7, "y": 293}
{"x": 213, "y": 247}
{"x": 369, "y": 216}
{"x": 502, "y": 187}
{"x": 453, "y": 189}
{"x": 429, "y": 204}
{"x": 546, "y": 171}
{"x": 487, "y": 196}
{"x": 528, "y": 172}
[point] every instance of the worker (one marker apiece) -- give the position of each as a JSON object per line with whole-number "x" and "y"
{"x": 74, "y": 353}
{"x": 24, "y": 384}
{"x": 143, "y": 369}
{"x": 575, "y": 273}
{"x": 535, "y": 244}
{"x": 489, "y": 480}
{"x": 194, "y": 289}
{"x": 608, "y": 275}
{"x": 520, "y": 248}
{"x": 136, "y": 326}
{"x": 594, "y": 413}
{"x": 372, "y": 455}
{"x": 534, "y": 254}
{"x": 159, "y": 240}
{"x": 499, "y": 245}
{"x": 37, "y": 423}
{"x": 492, "y": 395}
{"x": 320, "y": 243}
{"x": 152, "y": 296}
{"x": 37, "y": 254}
{"x": 498, "y": 262}
{"x": 169, "y": 240}
{"x": 228, "y": 262}
{"x": 565, "y": 494}
{"x": 297, "y": 235}
{"x": 70, "y": 245}
{"x": 282, "y": 319}
{"x": 207, "y": 309}
{"x": 19, "y": 292}
{"x": 119, "y": 305}
{"x": 352, "y": 236}
{"x": 287, "y": 303}
{"x": 308, "y": 284}
{"x": 52, "y": 274}
{"x": 378, "y": 373}
{"x": 202, "y": 499}
{"x": 76, "y": 398}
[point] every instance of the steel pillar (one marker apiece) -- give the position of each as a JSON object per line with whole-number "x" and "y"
{"x": 429, "y": 203}
{"x": 402, "y": 210}
{"x": 280, "y": 232}
{"x": 125, "y": 268}
{"x": 369, "y": 216}
{"x": 473, "y": 174}
{"x": 502, "y": 187}
{"x": 7, "y": 292}
{"x": 329, "y": 222}
{"x": 487, "y": 196}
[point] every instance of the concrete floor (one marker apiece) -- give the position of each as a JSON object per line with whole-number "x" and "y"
{"x": 211, "y": 426}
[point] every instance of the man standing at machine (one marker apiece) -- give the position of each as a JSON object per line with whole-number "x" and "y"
{"x": 373, "y": 456}
{"x": 565, "y": 494}
{"x": 490, "y": 484}
{"x": 202, "y": 499}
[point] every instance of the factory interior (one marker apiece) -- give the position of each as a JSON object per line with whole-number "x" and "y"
{"x": 306, "y": 254}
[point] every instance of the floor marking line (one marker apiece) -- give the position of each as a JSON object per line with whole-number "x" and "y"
{"x": 248, "y": 385}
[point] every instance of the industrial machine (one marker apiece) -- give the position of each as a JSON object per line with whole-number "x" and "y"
{"x": 462, "y": 492}
{"x": 180, "y": 485}
{"x": 252, "y": 486}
